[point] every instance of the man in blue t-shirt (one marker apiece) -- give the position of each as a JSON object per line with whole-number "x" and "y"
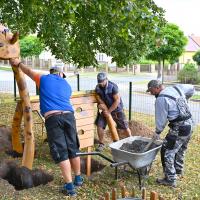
{"x": 108, "y": 95}
{"x": 55, "y": 106}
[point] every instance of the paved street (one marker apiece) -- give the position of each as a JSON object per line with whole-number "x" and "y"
{"x": 142, "y": 102}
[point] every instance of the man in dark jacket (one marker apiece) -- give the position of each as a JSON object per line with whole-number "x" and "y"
{"x": 108, "y": 94}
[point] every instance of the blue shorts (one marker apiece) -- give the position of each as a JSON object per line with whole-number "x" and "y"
{"x": 118, "y": 117}
{"x": 62, "y": 136}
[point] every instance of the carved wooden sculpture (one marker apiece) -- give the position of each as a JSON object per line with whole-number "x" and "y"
{"x": 9, "y": 48}
{"x": 9, "y": 44}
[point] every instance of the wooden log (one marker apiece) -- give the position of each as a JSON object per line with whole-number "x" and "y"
{"x": 17, "y": 118}
{"x": 29, "y": 147}
{"x": 114, "y": 194}
{"x": 88, "y": 164}
{"x": 112, "y": 128}
{"x": 133, "y": 192}
{"x": 107, "y": 196}
{"x": 123, "y": 191}
{"x": 144, "y": 194}
{"x": 153, "y": 196}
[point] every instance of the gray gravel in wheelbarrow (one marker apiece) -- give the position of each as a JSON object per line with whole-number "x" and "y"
{"x": 136, "y": 146}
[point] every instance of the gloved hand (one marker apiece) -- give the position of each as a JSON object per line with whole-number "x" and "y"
{"x": 156, "y": 136}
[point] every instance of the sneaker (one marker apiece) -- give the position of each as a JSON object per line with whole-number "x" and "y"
{"x": 166, "y": 182}
{"x": 100, "y": 147}
{"x": 78, "y": 181}
{"x": 69, "y": 189}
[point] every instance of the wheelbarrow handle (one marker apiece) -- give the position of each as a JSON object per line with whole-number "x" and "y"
{"x": 94, "y": 153}
{"x": 117, "y": 164}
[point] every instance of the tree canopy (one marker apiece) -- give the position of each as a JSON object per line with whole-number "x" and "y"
{"x": 76, "y": 30}
{"x": 30, "y": 46}
{"x": 169, "y": 44}
{"x": 196, "y": 57}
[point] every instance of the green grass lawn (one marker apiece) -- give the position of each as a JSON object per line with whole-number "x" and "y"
{"x": 104, "y": 181}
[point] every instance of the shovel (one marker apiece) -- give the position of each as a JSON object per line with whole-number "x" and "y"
{"x": 146, "y": 148}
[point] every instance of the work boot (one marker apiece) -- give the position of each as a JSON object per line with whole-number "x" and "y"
{"x": 164, "y": 181}
{"x": 69, "y": 190}
{"x": 100, "y": 147}
{"x": 179, "y": 173}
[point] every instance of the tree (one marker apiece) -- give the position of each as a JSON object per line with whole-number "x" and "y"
{"x": 76, "y": 30}
{"x": 168, "y": 45}
{"x": 196, "y": 58}
{"x": 30, "y": 46}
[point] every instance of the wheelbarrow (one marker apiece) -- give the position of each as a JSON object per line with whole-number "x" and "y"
{"x": 137, "y": 161}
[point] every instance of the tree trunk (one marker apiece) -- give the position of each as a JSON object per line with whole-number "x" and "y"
{"x": 28, "y": 154}
{"x": 159, "y": 70}
{"x": 128, "y": 68}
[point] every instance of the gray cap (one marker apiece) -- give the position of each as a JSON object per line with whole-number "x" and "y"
{"x": 153, "y": 84}
{"x": 101, "y": 77}
{"x": 57, "y": 69}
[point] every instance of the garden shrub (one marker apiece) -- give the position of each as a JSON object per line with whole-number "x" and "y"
{"x": 189, "y": 74}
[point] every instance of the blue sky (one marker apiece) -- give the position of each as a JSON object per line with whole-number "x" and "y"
{"x": 184, "y": 13}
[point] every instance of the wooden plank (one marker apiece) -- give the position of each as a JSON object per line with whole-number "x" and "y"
{"x": 83, "y": 100}
{"x": 83, "y": 106}
{"x": 84, "y": 114}
{"x": 85, "y": 134}
{"x": 87, "y": 127}
{"x": 88, "y": 142}
{"x": 35, "y": 106}
{"x": 85, "y": 121}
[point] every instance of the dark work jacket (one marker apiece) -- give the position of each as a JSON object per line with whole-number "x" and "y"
{"x": 107, "y": 93}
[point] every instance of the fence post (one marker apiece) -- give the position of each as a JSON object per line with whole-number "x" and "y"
{"x": 130, "y": 100}
{"x": 15, "y": 89}
{"x": 78, "y": 82}
{"x": 37, "y": 90}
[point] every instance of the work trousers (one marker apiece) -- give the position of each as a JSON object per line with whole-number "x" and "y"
{"x": 174, "y": 148}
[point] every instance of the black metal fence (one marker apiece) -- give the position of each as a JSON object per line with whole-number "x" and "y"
{"x": 138, "y": 104}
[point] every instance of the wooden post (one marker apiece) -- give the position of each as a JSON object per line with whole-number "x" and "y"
{"x": 144, "y": 193}
{"x": 123, "y": 191}
{"x": 29, "y": 146}
{"x": 153, "y": 196}
{"x": 133, "y": 192}
{"x": 17, "y": 118}
{"x": 88, "y": 164}
{"x": 107, "y": 196}
{"x": 114, "y": 194}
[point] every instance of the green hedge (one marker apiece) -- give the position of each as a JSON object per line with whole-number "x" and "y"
{"x": 189, "y": 74}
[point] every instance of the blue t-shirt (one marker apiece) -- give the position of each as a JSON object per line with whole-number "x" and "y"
{"x": 106, "y": 94}
{"x": 55, "y": 93}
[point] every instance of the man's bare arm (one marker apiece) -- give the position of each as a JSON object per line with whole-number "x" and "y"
{"x": 115, "y": 103}
{"x": 27, "y": 70}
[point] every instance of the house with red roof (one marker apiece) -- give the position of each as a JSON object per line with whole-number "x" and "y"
{"x": 191, "y": 48}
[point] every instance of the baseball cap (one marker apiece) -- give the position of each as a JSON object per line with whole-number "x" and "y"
{"x": 57, "y": 69}
{"x": 101, "y": 77}
{"x": 153, "y": 84}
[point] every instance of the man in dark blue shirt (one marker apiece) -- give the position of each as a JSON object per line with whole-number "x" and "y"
{"x": 108, "y": 95}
